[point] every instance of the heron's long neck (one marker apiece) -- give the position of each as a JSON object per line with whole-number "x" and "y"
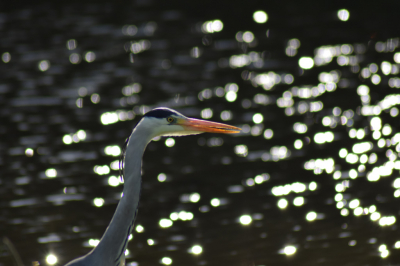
{"x": 115, "y": 239}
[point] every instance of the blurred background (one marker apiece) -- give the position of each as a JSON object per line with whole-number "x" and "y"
{"x": 313, "y": 179}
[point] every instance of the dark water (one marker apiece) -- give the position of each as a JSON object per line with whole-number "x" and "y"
{"x": 68, "y": 70}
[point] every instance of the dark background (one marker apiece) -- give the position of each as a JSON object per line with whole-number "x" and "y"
{"x": 42, "y": 215}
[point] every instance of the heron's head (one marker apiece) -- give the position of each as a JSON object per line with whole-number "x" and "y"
{"x": 167, "y": 122}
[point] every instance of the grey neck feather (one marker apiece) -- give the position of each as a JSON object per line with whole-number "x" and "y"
{"x": 110, "y": 250}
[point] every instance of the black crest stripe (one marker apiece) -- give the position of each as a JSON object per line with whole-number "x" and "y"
{"x": 160, "y": 113}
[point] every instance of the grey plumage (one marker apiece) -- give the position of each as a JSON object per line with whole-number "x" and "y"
{"x": 158, "y": 122}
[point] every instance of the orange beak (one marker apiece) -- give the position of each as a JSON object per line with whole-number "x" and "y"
{"x": 192, "y": 124}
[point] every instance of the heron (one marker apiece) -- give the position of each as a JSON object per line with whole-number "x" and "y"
{"x": 162, "y": 121}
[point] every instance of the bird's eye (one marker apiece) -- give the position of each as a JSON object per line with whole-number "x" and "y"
{"x": 170, "y": 119}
